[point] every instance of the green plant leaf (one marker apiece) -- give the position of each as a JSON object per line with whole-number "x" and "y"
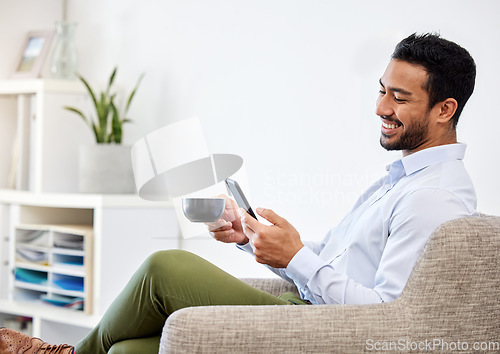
{"x": 85, "y": 119}
{"x": 77, "y": 111}
{"x": 103, "y": 114}
{"x": 111, "y": 79}
{"x": 89, "y": 89}
{"x": 132, "y": 94}
{"x": 98, "y": 138}
{"x": 107, "y": 126}
{"x": 116, "y": 124}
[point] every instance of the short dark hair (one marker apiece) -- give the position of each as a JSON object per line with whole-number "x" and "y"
{"x": 451, "y": 71}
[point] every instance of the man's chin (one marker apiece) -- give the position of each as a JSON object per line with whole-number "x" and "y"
{"x": 389, "y": 146}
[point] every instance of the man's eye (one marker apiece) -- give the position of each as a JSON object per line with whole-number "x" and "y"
{"x": 399, "y": 100}
{"x": 382, "y": 92}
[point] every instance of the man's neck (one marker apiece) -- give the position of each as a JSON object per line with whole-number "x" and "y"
{"x": 446, "y": 139}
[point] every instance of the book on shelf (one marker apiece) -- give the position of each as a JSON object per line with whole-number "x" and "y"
{"x": 68, "y": 261}
{"x": 30, "y": 276}
{"x": 33, "y": 237}
{"x": 70, "y": 283}
{"x": 32, "y": 256}
{"x": 73, "y": 303}
{"x": 71, "y": 243}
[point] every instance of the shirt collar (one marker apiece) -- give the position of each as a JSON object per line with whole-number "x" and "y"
{"x": 424, "y": 158}
{"x": 432, "y": 156}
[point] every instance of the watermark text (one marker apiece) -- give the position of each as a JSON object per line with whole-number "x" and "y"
{"x": 436, "y": 344}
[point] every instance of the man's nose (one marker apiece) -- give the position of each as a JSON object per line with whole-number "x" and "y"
{"x": 384, "y": 106}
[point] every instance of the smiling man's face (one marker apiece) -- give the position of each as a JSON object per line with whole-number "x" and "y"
{"x": 403, "y": 106}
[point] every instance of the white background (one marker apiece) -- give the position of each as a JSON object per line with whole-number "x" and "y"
{"x": 289, "y": 85}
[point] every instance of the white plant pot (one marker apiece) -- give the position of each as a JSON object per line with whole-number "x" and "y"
{"x": 106, "y": 169}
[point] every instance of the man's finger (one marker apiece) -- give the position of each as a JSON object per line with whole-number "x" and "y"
{"x": 270, "y": 216}
{"x": 219, "y": 225}
{"x": 224, "y": 236}
{"x": 247, "y": 219}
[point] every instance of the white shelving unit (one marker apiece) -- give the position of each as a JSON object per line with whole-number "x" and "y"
{"x": 39, "y": 143}
{"x": 124, "y": 231}
{"x": 40, "y": 139}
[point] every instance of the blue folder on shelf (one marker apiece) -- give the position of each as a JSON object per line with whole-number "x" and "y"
{"x": 65, "y": 260}
{"x": 70, "y": 283}
{"x": 30, "y": 276}
{"x": 74, "y": 303}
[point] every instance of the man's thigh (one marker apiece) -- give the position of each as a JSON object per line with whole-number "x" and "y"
{"x": 184, "y": 279}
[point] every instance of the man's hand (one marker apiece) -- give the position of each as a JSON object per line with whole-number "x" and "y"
{"x": 274, "y": 245}
{"x": 228, "y": 228}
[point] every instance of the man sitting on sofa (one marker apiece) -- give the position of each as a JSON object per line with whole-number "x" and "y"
{"x": 367, "y": 258}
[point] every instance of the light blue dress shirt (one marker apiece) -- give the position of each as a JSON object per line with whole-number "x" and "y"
{"x": 369, "y": 256}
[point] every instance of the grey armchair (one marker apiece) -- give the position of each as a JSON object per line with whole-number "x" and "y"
{"x": 451, "y": 302}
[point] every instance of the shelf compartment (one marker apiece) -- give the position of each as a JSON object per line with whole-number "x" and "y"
{"x": 26, "y": 293}
{"x": 56, "y": 270}
{"x": 32, "y": 255}
{"x": 33, "y": 237}
{"x": 68, "y": 261}
{"x": 62, "y": 301}
{"x": 68, "y": 282}
{"x": 66, "y": 240}
{"x": 30, "y": 276}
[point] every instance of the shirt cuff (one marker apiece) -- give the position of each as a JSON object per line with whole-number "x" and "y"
{"x": 303, "y": 265}
{"x": 246, "y": 247}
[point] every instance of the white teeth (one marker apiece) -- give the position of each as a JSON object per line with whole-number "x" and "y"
{"x": 390, "y": 126}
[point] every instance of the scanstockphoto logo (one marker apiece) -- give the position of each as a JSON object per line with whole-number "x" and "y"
{"x": 321, "y": 188}
{"x": 436, "y": 344}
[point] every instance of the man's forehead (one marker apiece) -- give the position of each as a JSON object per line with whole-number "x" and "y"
{"x": 403, "y": 76}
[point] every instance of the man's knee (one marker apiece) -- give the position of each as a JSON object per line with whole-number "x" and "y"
{"x": 163, "y": 261}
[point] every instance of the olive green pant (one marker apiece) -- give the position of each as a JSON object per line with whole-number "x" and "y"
{"x": 167, "y": 281}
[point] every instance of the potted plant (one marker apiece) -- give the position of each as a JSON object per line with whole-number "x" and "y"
{"x": 106, "y": 167}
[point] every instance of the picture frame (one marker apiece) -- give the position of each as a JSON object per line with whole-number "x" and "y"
{"x": 33, "y": 53}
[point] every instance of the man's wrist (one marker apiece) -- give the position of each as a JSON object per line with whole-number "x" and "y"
{"x": 242, "y": 243}
{"x": 303, "y": 265}
{"x": 299, "y": 247}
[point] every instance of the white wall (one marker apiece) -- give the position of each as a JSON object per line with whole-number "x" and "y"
{"x": 17, "y": 18}
{"x": 290, "y": 85}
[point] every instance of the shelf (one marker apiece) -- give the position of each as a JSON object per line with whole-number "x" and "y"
{"x": 42, "y": 288}
{"x": 76, "y": 271}
{"x": 66, "y": 251}
{"x": 32, "y": 86}
{"x": 55, "y": 250}
{"x": 36, "y": 157}
{"x": 51, "y": 313}
{"x": 78, "y": 200}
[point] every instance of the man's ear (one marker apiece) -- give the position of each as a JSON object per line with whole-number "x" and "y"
{"x": 447, "y": 109}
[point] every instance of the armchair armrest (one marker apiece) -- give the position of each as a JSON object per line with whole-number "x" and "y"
{"x": 274, "y": 286}
{"x": 287, "y": 328}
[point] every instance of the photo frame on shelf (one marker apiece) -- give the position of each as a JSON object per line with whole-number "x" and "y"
{"x": 33, "y": 53}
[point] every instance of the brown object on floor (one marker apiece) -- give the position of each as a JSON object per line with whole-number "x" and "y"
{"x": 16, "y": 342}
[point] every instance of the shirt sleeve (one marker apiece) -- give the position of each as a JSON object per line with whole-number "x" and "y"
{"x": 412, "y": 222}
{"x": 282, "y": 271}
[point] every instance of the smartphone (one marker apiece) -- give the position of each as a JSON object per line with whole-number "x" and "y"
{"x": 238, "y": 195}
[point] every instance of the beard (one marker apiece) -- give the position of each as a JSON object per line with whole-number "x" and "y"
{"x": 410, "y": 139}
